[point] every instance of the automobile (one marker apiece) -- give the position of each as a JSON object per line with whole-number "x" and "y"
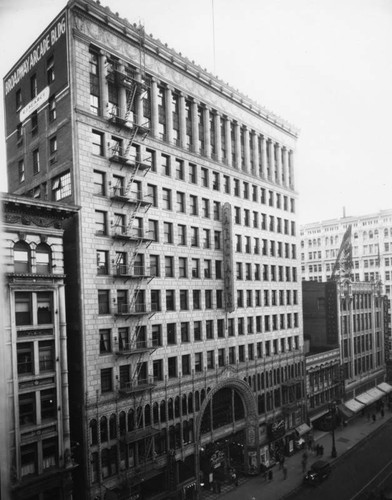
{"x": 318, "y": 472}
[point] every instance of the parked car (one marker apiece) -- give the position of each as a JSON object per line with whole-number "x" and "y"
{"x": 319, "y": 471}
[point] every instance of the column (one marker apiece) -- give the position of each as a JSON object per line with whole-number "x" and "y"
{"x": 228, "y": 141}
{"x": 218, "y": 138}
{"x": 278, "y": 166}
{"x": 255, "y": 153}
{"x": 271, "y": 162}
{"x": 291, "y": 182}
{"x": 246, "y": 166}
{"x": 62, "y": 355}
{"x": 237, "y": 142}
{"x": 103, "y": 85}
{"x": 195, "y": 127}
{"x": 169, "y": 114}
{"x": 122, "y": 96}
{"x": 181, "y": 118}
{"x": 154, "y": 107}
{"x": 138, "y": 99}
{"x": 264, "y": 166}
{"x": 285, "y": 168}
{"x": 207, "y": 135}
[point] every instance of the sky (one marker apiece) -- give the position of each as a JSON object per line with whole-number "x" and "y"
{"x": 322, "y": 65}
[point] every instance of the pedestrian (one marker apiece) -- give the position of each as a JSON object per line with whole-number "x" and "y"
{"x": 270, "y": 475}
{"x": 321, "y": 450}
{"x": 374, "y": 417}
{"x": 284, "y": 472}
{"x": 382, "y": 412}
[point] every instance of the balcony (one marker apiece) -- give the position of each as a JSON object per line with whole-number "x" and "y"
{"x": 135, "y": 347}
{"x": 137, "y": 272}
{"x": 138, "y": 309}
{"x": 138, "y": 161}
{"x": 139, "y": 385}
{"x": 122, "y": 232}
{"x": 128, "y": 196}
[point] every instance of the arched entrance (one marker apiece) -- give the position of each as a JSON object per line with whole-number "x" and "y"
{"x": 227, "y": 418}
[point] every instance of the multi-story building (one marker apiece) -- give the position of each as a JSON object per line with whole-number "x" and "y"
{"x": 36, "y": 451}
{"x": 184, "y": 299}
{"x": 371, "y": 244}
{"x": 349, "y": 315}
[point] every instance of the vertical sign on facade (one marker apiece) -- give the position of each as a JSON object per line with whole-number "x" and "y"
{"x": 228, "y": 256}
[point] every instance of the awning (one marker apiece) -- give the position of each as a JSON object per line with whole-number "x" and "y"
{"x": 345, "y": 411}
{"x": 319, "y": 414}
{"x": 354, "y": 405}
{"x": 369, "y": 397}
{"x": 385, "y": 387}
{"x": 302, "y": 429}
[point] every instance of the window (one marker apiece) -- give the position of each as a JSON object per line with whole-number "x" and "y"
{"x": 104, "y": 341}
{"x": 170, "y": 300}
{"x": 172, "y": 367}
{"x": 217, "y": 239}
{"x": 194, "y": 236}
{"x": 210, "y": 360}
{"x": 186, "y": 364}
{"x": 33, "y": 86}
{"x": 209, "y": 329}
{"x": 152, "y": 194}
{"x": 226, "y": 179}
{"x": 153, "y": 230}
{"x": 155, "y": 300}
{"x": 25, "y": 358}
{"x": 157, "y": 367}
{"x": 218, "y": 269}
{"x": 168, "y": 232}
{"x": 36, "y": 165}
{"x": 193, "y": 205}
{"x": 182, "y": 267}
{"x": 23, "y": 308}
{"x": 185, "y": 332}
{"x": 207, "y": 268}
{"x": 100, "y": 223}
{"x": 196, "y": 299}
{"x": 52, "y": 109}
{"x": 106, "y": 380}
{"x": 94, "y": 83}
{"x": 27, "y": 410}
{"x": 208, "y": 299}
{"x": 206, "y": 238}
{"x": 198, "y": 362}
{"x": 205, "y": 208}
{"x": 43, "y": 258}
{"x": 99, "y": 183}
{"x": 48, "y": 404}
{"x": 50, "y": 70}
{"x": 103, "y": 302}
{"x": 21, "y": 257}
{"x": 179, "y": 170}
{"x": 18, "y": 99}
{"x": 171, "y": 334}
{"x": 169, "y": 267}
{"x": 216, "y": 207}
{"x": 184, "y": 300}
{"x": 166, "y": 199}
{"x": 165, "y": 165}
{"x": 180, "y": 202}
{"x": 21, "y": 171}
{"x": 204, "y": 177}
{"x": 215, "y": 181}
{"x": 61, "y": 187}
{"x": 97, "y": 143}
{"x": 28, "y": 459}
{"x": 195, "y": 263}
{"x": 192, "y": 173}
{"x": 181, "y": 229}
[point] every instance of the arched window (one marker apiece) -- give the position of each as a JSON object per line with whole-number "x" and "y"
{"x": 122, "y": 424}
{"x": 93, "y": 432}
{"x": 163, "y": 411}
{"x": 113, "y": 426}
{"x": 131, "y": 420}
{"x": 103, "y": 427}
{"x": 147, "y": 415}
{"x": 22, "y": 257}
{"x": 43, "y": 258}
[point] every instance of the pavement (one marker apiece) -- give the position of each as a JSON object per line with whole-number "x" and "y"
{"x": 258, "y": 488}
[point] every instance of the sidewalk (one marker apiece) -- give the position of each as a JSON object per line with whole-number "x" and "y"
{"x": 346, "y": 438}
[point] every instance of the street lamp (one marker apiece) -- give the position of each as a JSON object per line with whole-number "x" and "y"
{"x": 332, "y": 410}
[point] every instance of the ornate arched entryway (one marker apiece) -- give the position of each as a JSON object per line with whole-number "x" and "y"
{"x": 228, "y": 407}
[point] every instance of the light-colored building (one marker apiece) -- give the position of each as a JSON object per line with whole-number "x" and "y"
{"x": 184, "y": 297}
{"x": 349, "y": 315}
{"x": 36, "y": 452}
